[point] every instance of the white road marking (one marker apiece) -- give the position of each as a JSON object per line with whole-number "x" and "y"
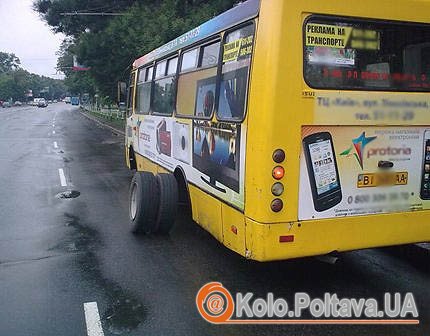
{"x": 92, "y": 319}
{"x": 53, "y": 132}
{"x": 55, "y": 145}
{"x": 62, "y": 177}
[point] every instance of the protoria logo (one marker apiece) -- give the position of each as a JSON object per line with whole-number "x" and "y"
{"x": 393, "y": 151}
{"x": 216, "y": 305}
{"x": 358, "y": 144}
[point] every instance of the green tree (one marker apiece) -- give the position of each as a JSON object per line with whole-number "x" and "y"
{"x": 15, "y": 82}
{"x": 108, "y": 45}
{"x": 8, "y": 62}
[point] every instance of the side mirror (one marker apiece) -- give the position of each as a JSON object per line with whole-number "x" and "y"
{"x": 122, "y": 93}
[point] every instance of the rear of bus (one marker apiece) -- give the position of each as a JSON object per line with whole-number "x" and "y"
{"x": 338, "y": 140}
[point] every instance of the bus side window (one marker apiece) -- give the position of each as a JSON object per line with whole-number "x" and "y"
{"x": 163, "y": 98}
{"x": 197, "y": 81}
{"x": 237, "y": 52}
{"x": 130, "y": 98}
{"x": 143, "y": 94}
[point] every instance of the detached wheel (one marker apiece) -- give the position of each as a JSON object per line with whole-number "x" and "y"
{"x": 143, "y": 202}
{"x": 168, "y": 206}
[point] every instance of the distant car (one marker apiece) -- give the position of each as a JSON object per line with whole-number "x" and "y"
{"x": 17, "y": 103}
{"x": 6, "y": 104}
{"x": 67, "y": 100}
{"x": 42, "y": 103}
{"x": 74, "y": 100}
{"x": 55, "y": 101}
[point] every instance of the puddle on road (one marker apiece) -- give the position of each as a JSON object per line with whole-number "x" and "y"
{"x": 123, "y": 315}
{"x": 68, "y": 194}
{"x": 124, "y": 311}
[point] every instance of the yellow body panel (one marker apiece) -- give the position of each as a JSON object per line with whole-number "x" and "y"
{"x": 206, "y": 211}
{"x": 279, "y": 104}
{"x": 328, "y": 235}
{"x": 234, "y": 229}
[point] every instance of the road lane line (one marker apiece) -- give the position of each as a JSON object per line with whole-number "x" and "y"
{"x": 62, "y": 177}
{"x": 55, "y": 145}
{"x": 92, "y": 319}
{"x": 53, "y": 132}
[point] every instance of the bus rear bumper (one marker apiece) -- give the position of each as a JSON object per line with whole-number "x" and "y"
{"x": 280, "y": 241}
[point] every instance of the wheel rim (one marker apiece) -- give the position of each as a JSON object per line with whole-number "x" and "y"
{"x": 133, "y": 202}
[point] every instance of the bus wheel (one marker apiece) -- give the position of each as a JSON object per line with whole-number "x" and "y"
{"x": 168, "y": 188}
{"x": 143, "y": 202}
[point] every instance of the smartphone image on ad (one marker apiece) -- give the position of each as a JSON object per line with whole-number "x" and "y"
{"x": 322, "y": 170}
{"x": 425, "y": 173}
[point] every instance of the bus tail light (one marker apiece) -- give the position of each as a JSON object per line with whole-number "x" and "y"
{"x": 278, "y": 172}
{"x": 277, "y": 189}
{"x": 278, "y": 156}
{"x": 276, "y": 205}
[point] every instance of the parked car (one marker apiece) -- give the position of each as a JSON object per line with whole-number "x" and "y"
{"x": 6, "y": 104}
{"x": 55, "y": 101}
{"x": 17, "y": 103}
{"x": 67, "y": 100}
{"x": 42, "y": 103}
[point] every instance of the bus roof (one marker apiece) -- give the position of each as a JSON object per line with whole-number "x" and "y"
{"x": 240, "y": 13}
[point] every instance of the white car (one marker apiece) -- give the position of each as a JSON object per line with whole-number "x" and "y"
{"x": 42, "y": 103}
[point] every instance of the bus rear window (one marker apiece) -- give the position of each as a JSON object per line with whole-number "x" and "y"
{"x": 362, "y": 55}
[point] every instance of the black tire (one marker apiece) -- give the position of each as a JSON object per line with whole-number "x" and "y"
{"x": 144, "y": 190}
{"x": 168, "y": 204}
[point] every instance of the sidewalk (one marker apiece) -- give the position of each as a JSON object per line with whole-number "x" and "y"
{"x": 115, "y": 125}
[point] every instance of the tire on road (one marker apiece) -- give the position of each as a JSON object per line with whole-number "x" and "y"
{"x": 143, "y": 202}
{"x": 168, "y": 204}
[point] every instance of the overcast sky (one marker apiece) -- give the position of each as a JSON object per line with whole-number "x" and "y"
{"x": 23, "y": 33}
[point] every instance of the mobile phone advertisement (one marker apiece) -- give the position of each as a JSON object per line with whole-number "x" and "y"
{"x": 351, "y": 170}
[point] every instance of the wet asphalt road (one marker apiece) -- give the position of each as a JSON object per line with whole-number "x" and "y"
{"x": 56, "y": 254}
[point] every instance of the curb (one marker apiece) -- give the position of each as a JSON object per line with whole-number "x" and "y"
{"x": 113, "y": 129}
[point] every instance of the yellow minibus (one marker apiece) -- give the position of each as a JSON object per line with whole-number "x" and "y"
{"x": 292, "y": 128}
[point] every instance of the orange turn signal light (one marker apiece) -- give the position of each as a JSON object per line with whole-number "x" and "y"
{"x": 278, "y": 172}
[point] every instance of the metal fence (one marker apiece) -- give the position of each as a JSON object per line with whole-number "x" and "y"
{"x": 107, "y": 112}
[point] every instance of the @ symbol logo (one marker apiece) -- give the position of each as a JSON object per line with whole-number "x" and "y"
{"x": 215, "y": 303}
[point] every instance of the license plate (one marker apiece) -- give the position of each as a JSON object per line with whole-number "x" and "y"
{"x": 382, "y": 179}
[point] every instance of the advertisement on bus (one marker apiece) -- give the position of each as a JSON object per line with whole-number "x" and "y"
{"x": 350, "y": 171}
